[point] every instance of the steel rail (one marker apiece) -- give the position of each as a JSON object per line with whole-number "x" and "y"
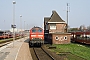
{"x": 35, "y": 53}
{"x": 48, "y": 54}
{"x": 44, "y": 52}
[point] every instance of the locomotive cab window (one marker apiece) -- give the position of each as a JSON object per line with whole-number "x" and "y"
{"x": 39, "y": 30}
{"x": 33, "y": 30}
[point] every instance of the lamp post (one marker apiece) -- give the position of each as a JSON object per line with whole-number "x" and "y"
{"x": 4, "y": 31}
{"x": 13, "y": 21}
{"x": 21, "y": 24}
{"x": 24, "y": 25}
{"x": 27, "y": 30}
{"x": 68, "y": 10}
{"x": 24, "y": 28}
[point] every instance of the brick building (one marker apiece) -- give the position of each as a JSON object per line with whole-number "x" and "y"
{"x": 55, "y": 29}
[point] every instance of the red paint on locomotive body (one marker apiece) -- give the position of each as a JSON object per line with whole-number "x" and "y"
{"x": 36, "y": 35}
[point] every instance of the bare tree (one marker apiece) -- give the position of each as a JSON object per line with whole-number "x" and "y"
{"x": 82, "y": 28}
{"x": 88, "y": 28}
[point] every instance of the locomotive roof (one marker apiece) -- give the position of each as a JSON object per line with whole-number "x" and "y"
{"x": 36, "y": 27}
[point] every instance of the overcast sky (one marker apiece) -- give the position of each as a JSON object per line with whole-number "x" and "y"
{"x": 34, "y": 11}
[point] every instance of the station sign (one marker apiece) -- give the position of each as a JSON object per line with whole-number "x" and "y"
{"x": 13, "y": 26}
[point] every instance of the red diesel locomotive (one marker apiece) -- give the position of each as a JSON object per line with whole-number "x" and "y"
{"x": 36, "y": 36}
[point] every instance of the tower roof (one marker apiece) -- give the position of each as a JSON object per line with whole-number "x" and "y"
{"x": 46, "y": 19}
{"x": 55, "y": 17}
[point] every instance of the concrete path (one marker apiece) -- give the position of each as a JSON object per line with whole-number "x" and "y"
{"x": 10, "y": 52}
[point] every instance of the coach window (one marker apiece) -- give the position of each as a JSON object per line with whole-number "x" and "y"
{"x": 65, "y": 37}
{"x": 39, "y": 30}
{"x": 57, "y": 38}
{"x": 33, "y": 30}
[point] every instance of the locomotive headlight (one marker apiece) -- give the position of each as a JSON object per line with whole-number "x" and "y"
{"x": 40, "y": 38}
{"x": 40, "y": 35}
{"x": 33, "y": 35}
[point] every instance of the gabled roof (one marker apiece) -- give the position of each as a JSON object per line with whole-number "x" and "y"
{"x": 55, "y": 17}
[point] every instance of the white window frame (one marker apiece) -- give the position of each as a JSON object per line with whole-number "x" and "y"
{"x": 52, "y": 26}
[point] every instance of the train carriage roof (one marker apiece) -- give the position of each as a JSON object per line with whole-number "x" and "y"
{"x": 79, "y": 33}
{"x": 1, "y": 31}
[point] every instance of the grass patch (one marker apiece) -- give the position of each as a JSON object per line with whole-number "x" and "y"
{"x": 7, "y": 40}
{"x": 75, "y": 49}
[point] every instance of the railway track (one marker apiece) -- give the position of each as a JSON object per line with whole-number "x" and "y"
{"x": 6, "y": 41}
{"x": 3, "y": 44}
{"x": 41, "y": 54}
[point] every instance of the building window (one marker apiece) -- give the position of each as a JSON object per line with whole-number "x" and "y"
{"x": 65, "y": 38}
{"x": 57, "y": 38}
{"x": 52, "y": 26}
